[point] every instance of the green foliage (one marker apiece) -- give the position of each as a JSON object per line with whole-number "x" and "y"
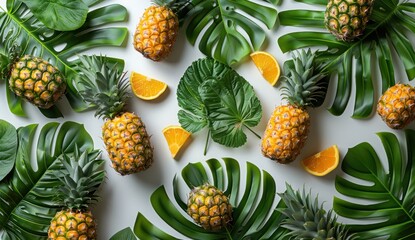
{"x": 125, "y": 234}
{"x": 255, "y": 214}
{"x": 59, "y": 47}
{"x": 27, "y": 194}
{"x": 386, "y": 44}
{"x": 382, "y": 200}
{"x": 8, "y": 147}
{"x": 213, "y": 95}
{"x": 227, "y": 29}
{"x": 60, "y": 15}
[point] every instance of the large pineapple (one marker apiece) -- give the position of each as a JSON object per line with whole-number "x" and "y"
{"x": 32, "y": 78}
{"x": 209, "y": 207}
{"x": 104, "y": 86}
{"x": 287, "y": 129}
{"x": 347, "y": 19}
{"x": 81, "y": 176}
{"x": 397, "y": 105}
{"x": 157, "y": 30}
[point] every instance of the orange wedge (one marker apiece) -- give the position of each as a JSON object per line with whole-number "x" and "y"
{"x": 146, "y": 88}
{"x": 267, "y": 66}
{"x": 323, "y": 162}
{"x": 176, "y": 137}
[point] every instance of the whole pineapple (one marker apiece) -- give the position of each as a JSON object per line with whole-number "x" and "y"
{"x": 209, "y": 207}
{"x": 81, "y": 176}
{"x": 32, "y": 78}
{"x": 104, "y": 86}
{"x": 347, "y": 19}
{"x": 287, "y": 129}
{"x": 157, "y": 30}
{"x": 396, "y": 106}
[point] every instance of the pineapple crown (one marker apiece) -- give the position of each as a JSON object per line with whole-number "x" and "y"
{"x": 175, "y": 5}
{"x": 103, "y": 85}
{"x": 81, "y": 176}
{"x": 306, "y": 219}
{"x": 304, "y": 80}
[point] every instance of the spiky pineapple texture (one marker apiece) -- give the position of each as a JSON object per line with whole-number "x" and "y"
{"x": 306, "y": 219}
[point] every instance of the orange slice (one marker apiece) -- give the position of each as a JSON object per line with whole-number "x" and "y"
{"x": 176, "y": 137}
{"x": 146, "y": 88}
{"x": 267, "y": 65}
{"x": 323, "y": 162}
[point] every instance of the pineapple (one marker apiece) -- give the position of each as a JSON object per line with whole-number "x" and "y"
{"x": 306, "y": 219}
{"x": 396, "y": 106}
{"x": 157, "y": 30}
{"x": 347, "y": 19}
{"x": 32, "y": 78}
{"x": 209, "y": 207}
{"x": 287, "y": 129}
{"x": 81, "y": 176}
{"x": 103, "y": 86}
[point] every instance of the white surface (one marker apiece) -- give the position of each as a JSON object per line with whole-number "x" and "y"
{"x": 123, "y": 197}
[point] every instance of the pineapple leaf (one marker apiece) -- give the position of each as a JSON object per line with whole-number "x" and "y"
{"x": 8, "y": 147}
{"x": 26, "y": 195}
{"x": 225, "y": 29}
{"x": 255, "y": 213}
{"x": 386, "y": 43}
{"x": 381, "y": 200}
{"x": 60, "y": 47}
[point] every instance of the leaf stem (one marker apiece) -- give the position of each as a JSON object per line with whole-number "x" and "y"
{"x": 206, "y": 144}
{"x": 228, "y": 234}
{"x": 252, "y": 131}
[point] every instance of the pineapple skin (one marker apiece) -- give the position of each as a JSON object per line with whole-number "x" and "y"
{"x": 286, "y": 133}
{"x": 156, "y": 32}
{"x": 127, "y": 143}
{"x": 74, "y": 225}
{"x": 396, "y": 106}
{"x": 37, "y": 81}
{"x": 209, "y": 207}
{"x": 347, "y": 19}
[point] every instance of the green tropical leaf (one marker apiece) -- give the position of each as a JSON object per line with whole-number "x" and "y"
{"x": 125, "y": 234}
{"x": 26, "y": 197}
{"x": 386, "y": 43}
{"x": 8, "y": 147}
{"x": 59, "y": 48}
{"x": 382, "y": 200}
{"x": 255, "y": 214}
{"x": 229, "y": 30}
{"x": 59, "y": 15}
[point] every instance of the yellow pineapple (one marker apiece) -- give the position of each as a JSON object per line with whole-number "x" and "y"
{"x": 157, "y": 30}
{"x": 81, "y": 177}
{"x": 126, "y": 140}
{"x": 397, "y": 105}
{"x": 347, "y": 19}
{"x": 287, "y": 129}
{"x": 209, "y": 207}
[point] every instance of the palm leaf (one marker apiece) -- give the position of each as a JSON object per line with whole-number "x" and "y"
{"x": 228, "y": 30}
{"x": 26, "y": 195}
{"x": 256, "y": 213}
{"x": 385, "y": 44}
{"x": 59, "y": 48}
{"x": 382, "y": 199}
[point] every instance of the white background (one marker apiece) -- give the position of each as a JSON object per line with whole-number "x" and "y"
{"x": 122, "y": 197}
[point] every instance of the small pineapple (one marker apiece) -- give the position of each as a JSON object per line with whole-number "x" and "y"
{"x": 287, "y": 129}
{"x": 396, "y": 106}
{"x": 103, "y": 86}
{"x": 347, "y": 19}
{"x": 157, "y": 30}
{"x": 81, "y": 176}
{"x": 209, "y": 207}
{"x": 32, "y": 78}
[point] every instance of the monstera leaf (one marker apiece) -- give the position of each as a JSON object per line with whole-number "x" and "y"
{"x": 383, "y": 200}
{"x": 8, "y": 147}
{"x": 256, "y": 213}
{"x": 228, "y": 30}
{"x": 27, "y": 193}
{"x": 60, "y": 48}
{"x": 386, "y": 44}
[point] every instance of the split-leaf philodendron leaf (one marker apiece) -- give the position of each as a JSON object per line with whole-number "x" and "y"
{"x": 385, "y": 44}
{"x": 8, "y": 147}
{"x": 27, "y": 195}
{"x": 34, "y": 38}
